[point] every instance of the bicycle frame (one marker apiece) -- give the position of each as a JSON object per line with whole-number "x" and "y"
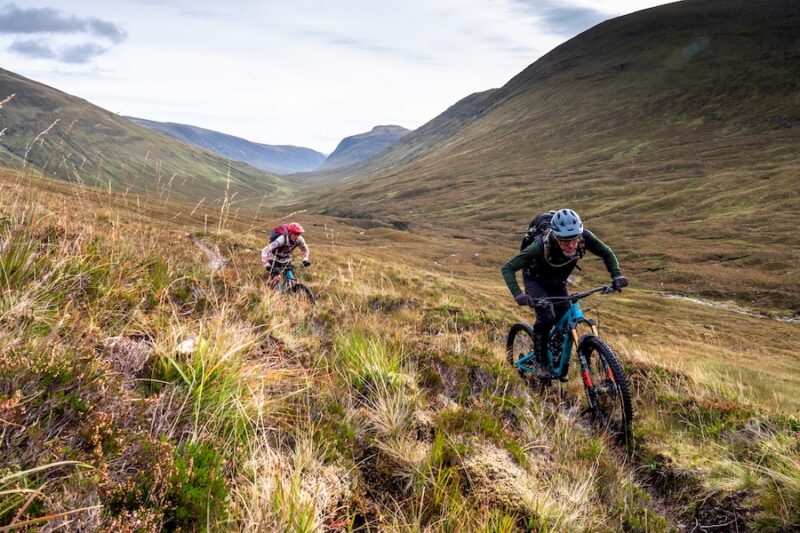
{"x": 567, "y": 329}
{"x": 287, "y": 279}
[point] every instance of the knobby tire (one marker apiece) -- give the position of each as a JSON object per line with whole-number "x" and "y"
{"x": 610, "y": 398}
{"x": 299, "y": 289}
{"x": 522, "y": 333}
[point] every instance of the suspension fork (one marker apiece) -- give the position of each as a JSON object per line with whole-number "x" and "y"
{"x": 587, "y": 379}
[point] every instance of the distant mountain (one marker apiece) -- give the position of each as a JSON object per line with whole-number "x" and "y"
{"x": 358, "y": 147}
{"x": 409, "y": 146}
{"x": 270, "y": 158}
{"x": 69, "y": 138}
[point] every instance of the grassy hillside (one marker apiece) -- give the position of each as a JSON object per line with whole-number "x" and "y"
{"x": 144, "y": 387}
{"x": 48, "y": 131}
{"x": 673, "y": 131}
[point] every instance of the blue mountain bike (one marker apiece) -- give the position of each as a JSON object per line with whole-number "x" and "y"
{"x": 603, "y": 377}
{"x": 290, "y": 285}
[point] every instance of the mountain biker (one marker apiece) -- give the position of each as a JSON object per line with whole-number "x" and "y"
{"x": 546, "y": 264}
{"x": 277, "y": 255}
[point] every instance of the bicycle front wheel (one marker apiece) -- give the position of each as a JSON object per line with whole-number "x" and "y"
{"x": 608, "y": 391}
{"x": 301, "y": 290}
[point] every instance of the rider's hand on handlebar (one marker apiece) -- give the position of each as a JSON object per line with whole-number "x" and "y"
{"x": 306, "y": 263}
{"x": 523, "y": 299}
{"x": 619, "y": 282}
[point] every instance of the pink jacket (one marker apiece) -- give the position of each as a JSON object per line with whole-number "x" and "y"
{"x": 280, "y": 250}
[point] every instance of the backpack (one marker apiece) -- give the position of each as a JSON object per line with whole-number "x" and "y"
{"x": 283, "y": 229}
{"x": 538, "y": 226}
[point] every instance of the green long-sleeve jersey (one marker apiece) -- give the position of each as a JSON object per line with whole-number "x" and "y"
{"x": 552, "y": 272}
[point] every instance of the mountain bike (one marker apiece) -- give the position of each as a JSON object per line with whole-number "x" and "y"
{"x": 603, "y": 377}
{"x": 290, "y": 285}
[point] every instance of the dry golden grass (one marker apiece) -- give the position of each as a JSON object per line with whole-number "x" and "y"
{"x": 378, "y": 406}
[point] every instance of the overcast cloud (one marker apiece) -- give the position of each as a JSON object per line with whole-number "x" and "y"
{"x": 14, "y": 19}
{"x": 305, "y": 72}
{"x": 32, "y": 48}
{"x": 82, "y": 53}
{"x": 561, "y": 17}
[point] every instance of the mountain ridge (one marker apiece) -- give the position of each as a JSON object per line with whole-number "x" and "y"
{"x": 358, "y": 147}
{"x": 279, "y": 159}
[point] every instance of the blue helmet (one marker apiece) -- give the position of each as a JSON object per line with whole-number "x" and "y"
{"x": 566, "y": 224}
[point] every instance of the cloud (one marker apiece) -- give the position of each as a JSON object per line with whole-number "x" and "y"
{"x": 76, "y": 54}
{"x": 370, "y": 47}
{"x": 81, "y": 53}
{"x": 103, "y": 28}
{"x": 14, "y": 19}
{"x": 561, "y": 17}
{"x": 31, "y": 48}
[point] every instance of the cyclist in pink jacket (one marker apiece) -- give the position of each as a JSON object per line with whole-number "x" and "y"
{"x": 277, "y": 255}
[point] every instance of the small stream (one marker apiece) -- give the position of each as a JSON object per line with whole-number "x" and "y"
{"x": 733, "y": 308}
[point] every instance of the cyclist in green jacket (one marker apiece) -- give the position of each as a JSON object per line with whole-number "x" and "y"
{"x": 546, "y": 264}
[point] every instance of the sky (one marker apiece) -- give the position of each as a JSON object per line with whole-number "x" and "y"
{"x": 287, "y": 72}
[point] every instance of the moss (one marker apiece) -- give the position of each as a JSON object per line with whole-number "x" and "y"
{"x": 476, "y": 422}
{"x": 335, "y": 433}
{"x": 198, "y": 490}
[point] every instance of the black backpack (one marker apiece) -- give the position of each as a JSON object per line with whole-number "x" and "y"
{"x": 538, "y": 226}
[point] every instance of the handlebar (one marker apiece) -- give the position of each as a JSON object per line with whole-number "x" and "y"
{"x": 604, "y": 289}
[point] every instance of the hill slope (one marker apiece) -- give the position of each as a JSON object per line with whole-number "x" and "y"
{"x": 278, "y": 159}
{"x": 71, "y": 139}
{"x": 357, "y": 147}
{"x": 667, "y": 127}
{"x": 150, "y": 381}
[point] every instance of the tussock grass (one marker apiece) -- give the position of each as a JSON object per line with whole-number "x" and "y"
{"x": 387, "y": 405}
{"x": 369, "y": 362}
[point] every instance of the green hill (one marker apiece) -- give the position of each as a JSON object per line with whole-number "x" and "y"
{"x": 673, "y": 130}
{"x": 69, "y": 138}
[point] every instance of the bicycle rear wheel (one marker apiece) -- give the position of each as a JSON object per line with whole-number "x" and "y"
{"x": 301, "y": 290}
{"x": 607, "y": 389}
{"x": 519, "y": 344}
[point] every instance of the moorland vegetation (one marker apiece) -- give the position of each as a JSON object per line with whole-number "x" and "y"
{"x": 146, "y": 386}
{"x": 150, "y": 381}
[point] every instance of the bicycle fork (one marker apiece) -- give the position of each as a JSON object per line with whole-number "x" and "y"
{"x": 591, "y": 389}
{"x": 587, "y": 378}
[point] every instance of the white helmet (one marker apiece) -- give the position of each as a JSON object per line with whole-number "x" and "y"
{"x": 566, "y": 224}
